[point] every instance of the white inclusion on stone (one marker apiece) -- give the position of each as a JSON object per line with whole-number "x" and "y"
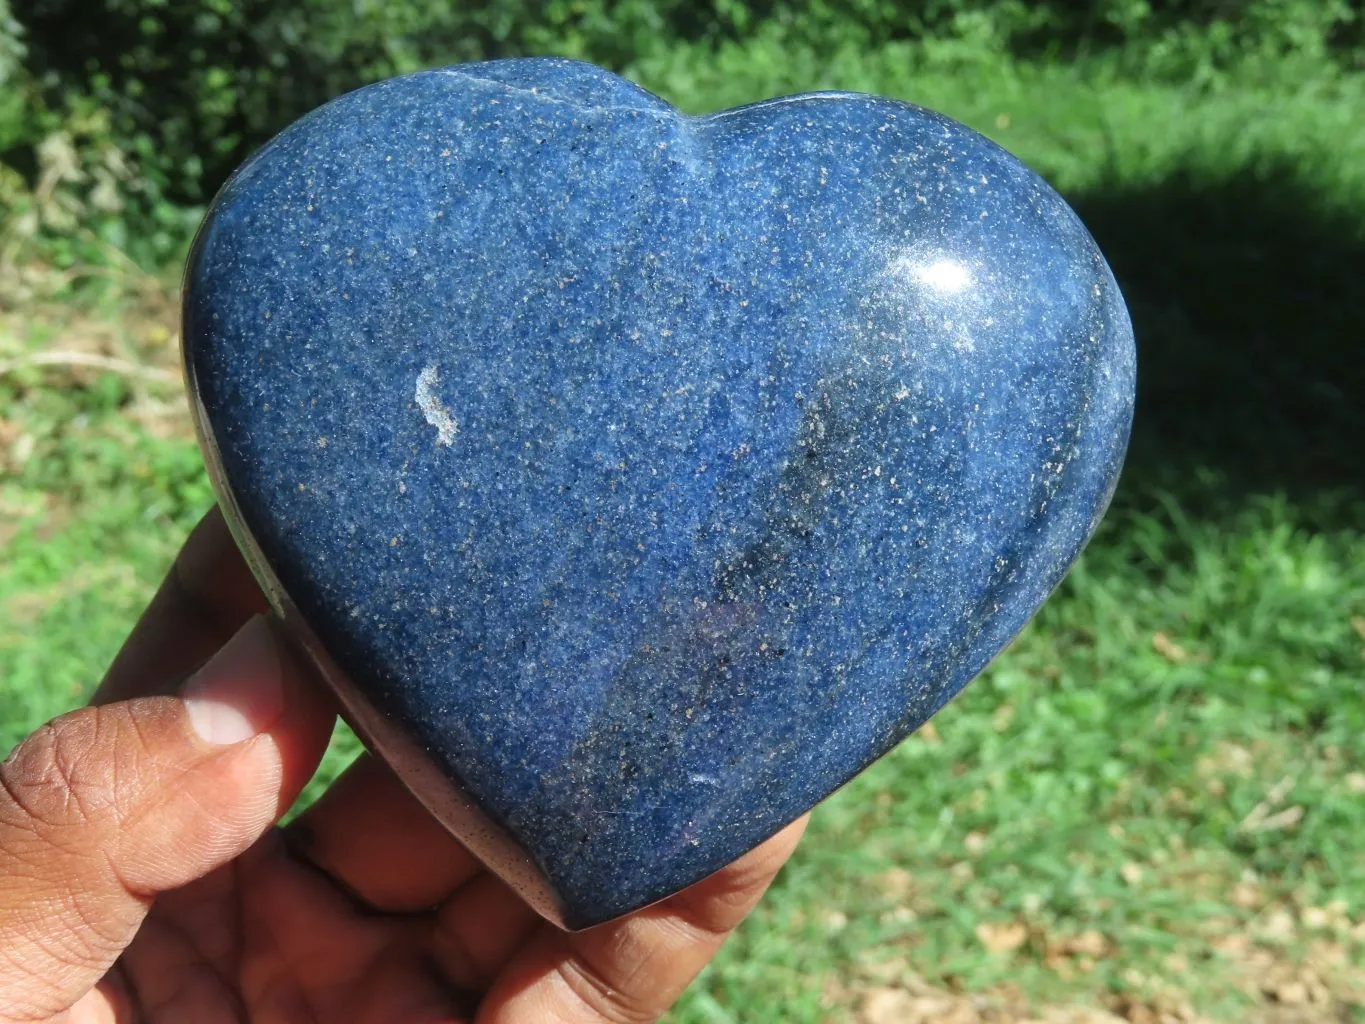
{"x": 436, "y": 413}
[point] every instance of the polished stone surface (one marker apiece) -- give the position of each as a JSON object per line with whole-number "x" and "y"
{"x": 658, "y": 473}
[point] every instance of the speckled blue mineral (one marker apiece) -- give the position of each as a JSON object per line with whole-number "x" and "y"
{"x": 654, "y": 473}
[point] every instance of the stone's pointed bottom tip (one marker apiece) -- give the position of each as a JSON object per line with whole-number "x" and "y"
{"x": 649, "y": 476}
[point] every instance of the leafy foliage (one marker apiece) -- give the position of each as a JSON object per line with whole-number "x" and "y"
{"x": 190, "y": 87}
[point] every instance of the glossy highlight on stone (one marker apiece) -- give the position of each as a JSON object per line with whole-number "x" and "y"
{"x": 640, "y": 478}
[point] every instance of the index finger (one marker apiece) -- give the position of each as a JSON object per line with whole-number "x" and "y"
{"x": 206, "y": 597}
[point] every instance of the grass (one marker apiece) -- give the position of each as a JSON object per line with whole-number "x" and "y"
{"x": 1153, "y": 804}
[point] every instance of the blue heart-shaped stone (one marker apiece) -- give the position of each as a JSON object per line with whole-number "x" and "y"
{"x": 647, "y": 475}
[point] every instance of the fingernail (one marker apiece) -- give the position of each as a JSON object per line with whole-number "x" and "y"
{"x": 238, "y": 694}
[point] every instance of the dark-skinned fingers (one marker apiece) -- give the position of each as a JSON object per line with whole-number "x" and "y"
{"x": 403, "y": 987}
{"x": 630, "y": 971}
{"x": 719, "y": 903}
{"x": 479, "y": 929}
{"x": 371, "y": 836}
{"x": 304, "y": 954}
{"x": 105, "y": 807}
{"x": 395, "y": 988}
{"x": 206, "y": 597}
{"x": 181, "y": 967}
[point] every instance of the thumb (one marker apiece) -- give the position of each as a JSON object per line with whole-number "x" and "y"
{"x": 105, "y": 807}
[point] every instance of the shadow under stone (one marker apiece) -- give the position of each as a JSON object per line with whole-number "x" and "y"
{"x": 1248, "y": 301}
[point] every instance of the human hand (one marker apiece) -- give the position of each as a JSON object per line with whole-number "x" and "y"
{"x": 143, "y": 878}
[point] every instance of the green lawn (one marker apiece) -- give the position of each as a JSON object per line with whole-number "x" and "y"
{"x": 1153, "y": 804}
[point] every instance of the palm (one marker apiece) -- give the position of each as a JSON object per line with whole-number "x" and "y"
{"x": 364, "y": 911}
{"x": 274, "y": 938}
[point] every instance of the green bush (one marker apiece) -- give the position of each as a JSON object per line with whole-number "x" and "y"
{"x": 194, "y": 85}
{"x": 182, "y": 90}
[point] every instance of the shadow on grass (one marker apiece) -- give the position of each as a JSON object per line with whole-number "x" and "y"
{"x": 1248, "y": 301}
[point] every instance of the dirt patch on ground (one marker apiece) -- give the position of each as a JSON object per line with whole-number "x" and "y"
{"x": 1287, "y": 995}
{"x": 67, "y": 347}
{"x": 1293, "y": 966}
